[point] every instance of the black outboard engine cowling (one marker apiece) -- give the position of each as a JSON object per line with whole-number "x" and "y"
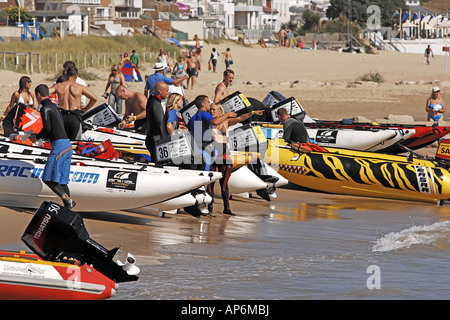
{"x": 56, "y": 233}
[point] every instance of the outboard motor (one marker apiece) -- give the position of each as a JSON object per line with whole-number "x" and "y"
{"x": 58, "y": 234}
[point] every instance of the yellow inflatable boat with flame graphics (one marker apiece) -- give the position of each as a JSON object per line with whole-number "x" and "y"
{"x": 350, "y": 172}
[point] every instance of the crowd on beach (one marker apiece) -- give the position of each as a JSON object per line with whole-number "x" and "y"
{"x": 153, "y": 111}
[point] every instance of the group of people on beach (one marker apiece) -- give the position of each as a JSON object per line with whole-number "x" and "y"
{"x": 61, "y": 108}
{"x": 153, "y": 112}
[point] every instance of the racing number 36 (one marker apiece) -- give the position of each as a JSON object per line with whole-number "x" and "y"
{"x": 163, "y": 152}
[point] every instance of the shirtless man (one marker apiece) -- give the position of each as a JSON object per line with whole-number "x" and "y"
{"x": 222, "y": 88}
{"x": 192, "y": 69}
{"x": 135, "y": 108}
{"x": 69, "y": 97}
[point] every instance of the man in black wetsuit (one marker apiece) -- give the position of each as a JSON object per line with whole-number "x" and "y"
{"x": 57, "y": 168}
{"x": 293, "y": 130}
{"x": 155, "y": 116}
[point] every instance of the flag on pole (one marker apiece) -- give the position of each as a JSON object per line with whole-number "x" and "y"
{"x": 404, "y": 16}
{"x": 431, "y": 18}
{"x": 414, "y": 17}
{"x": 421, "y": 17}
{"x": 443, "y": 16}
{"x": 395, "y": 14}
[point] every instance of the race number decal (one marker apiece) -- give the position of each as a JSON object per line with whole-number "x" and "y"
{"x": 173, "y": 149}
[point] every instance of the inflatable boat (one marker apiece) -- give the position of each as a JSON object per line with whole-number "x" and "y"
{"x": 65, "y": 263}
{"x": 424, "y": 134}
{"x": 26, "y": 276}
{"x": 374, "y": 140}
{"x": 96, "y": 187}
{"x": 359, "y": 173}
{"x": 414, "y": 136}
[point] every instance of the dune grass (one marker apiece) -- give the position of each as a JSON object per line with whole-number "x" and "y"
{"x": 85, "y": 51}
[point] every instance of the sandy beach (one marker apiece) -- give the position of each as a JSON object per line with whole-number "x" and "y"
{"x": 325, "y": 82}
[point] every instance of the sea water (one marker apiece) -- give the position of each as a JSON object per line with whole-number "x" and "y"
{"x": 345, "y": 248}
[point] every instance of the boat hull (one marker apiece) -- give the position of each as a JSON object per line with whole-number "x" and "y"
{"x": 97, "y": 188}
{"x": 25, "y": 276}
{"x": 424, "y": 136}
{"x": 363, "y": 174}
{"x": 375, "y": 140}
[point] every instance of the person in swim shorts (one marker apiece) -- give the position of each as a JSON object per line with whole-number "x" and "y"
{"x": 57, "y": 168}
{"x": 69, "y": 96}
{"x": 192, "y": 69}
{"x": 435, "y": 106}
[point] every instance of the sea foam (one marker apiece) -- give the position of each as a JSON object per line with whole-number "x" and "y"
{"x": 437, "y": 234}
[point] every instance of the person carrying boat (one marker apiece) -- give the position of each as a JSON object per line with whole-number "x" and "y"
{"x": 57, "y": 168}
{"x": 155, "y": 117}
{"x": 293, "y": 130}
{"x": 222, "y": 88}
{"x": 135, "y": 104}
{"x": 69, "y": 96}
{"x": 435, "y": 106}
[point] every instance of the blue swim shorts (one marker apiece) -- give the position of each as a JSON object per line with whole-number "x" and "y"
{"x": 57, "y": 168}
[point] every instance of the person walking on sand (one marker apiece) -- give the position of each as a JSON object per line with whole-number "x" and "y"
{"x": 135, "y": 105}
{"x": 227, "y": 58}
{"x": 57, "y": 168}
{"x": 281, "y": 37}
{"x": 115, "y": 79}
{"x": 428, "y": 54}
{"x": 435, "y": 106}
{"x": 69, "y": 96}
{"x": 213, "y": 59}
{"x": 222, "y": 88}
{"x": 192, "y": 69}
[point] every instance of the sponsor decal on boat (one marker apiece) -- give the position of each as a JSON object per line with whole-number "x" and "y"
{"x": 121, "y": 181}
{"x": 36, "y": 173}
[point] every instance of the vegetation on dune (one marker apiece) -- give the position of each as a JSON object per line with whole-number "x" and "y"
{"x": 97, "y": 51}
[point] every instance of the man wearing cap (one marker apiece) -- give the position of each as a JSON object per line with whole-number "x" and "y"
{"x": 158, "y": 76}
